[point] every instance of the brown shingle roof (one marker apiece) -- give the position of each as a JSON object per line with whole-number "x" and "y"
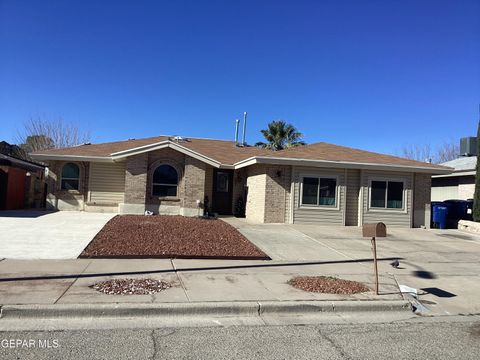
{"x": 222, "y": 151}
{"x": 227, "y": 153}
{"x": 331, "y": 152}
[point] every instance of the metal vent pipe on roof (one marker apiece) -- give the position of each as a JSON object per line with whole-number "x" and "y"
{"x": 244, "y": 128}
{"x": 237, "y": 122}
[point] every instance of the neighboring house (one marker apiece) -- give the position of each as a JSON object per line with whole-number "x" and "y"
{"x": 21, "y": 184}
{"x": 460, "y": 184}
{"x": 318, "y": 183}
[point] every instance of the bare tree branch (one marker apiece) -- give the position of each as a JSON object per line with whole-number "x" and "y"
{"x": 40, "y": 134}
{"x": 442, "y": 153}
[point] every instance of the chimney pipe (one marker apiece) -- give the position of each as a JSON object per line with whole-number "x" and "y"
{"x": 237, "y": 122}
{"x": 244, "y": 128}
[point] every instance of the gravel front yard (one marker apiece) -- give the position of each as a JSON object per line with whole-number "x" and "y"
{"x": 163, "y": 236}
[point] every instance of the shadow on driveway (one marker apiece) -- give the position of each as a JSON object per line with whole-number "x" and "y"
{"x": 70, "y": 276}
{"x": 25, "y": 213}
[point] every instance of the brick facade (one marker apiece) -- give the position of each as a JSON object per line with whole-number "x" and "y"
{"x": 172, "y": 158}
{"x": 277, "y": 189}
{"x": 268, "y": 193}
{"x": 136, "y": 179}
{"x": 421, "y": 200}
{"x": 194, "y": 184}
{"x": 66, "y": 199}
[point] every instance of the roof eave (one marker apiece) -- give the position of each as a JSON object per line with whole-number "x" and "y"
{"x": 60, "y": 157}
{"x": 342, "y": 164}
{"x": 457, "y": 173}
{"x": 19, "y": 163}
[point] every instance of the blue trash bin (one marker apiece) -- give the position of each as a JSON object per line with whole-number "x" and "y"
{"x": 469, "y": 210}
{"x": 439, "y": 216}
{"x": 457, "y": 210}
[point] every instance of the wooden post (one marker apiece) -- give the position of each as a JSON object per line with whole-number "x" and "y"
{"x": 375, "y": 267}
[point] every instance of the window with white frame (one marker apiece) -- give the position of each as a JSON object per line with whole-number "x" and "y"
{"x": 70, "y": 177}
{"x": 319, "y": 191}
{"x": 165, "y": 181}
{"x": 386, "y": 194}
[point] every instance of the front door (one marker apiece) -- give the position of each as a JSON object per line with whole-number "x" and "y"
{"x": 222, "y": 191}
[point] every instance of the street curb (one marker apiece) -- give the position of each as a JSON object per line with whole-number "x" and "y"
{"x": 315, "y": 306}
{"x": 200, "y": 309}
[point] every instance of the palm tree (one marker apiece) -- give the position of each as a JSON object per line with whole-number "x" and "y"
{"x": 280, "y": 135}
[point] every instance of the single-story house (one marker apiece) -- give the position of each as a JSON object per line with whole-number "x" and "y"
{"x": 21, "y": 183}
{"x": 318, "y": 183}
{"x": 460, "y": 184}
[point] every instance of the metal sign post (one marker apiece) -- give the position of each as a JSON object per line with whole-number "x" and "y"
{"x": 373, "y": 231}
{"x": 375, "y": 267}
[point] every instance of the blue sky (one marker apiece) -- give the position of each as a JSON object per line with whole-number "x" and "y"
{"x": 370, "y": 74}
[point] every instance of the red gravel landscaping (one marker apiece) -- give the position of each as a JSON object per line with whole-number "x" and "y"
{"x": 164, "y": 236}
{"x": 131, "y": 286}
{"x": 328, "y": 285}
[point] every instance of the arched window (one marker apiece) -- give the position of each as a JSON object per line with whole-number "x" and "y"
{"x": 165, "y": 181}
{"x": 70, "y": 177}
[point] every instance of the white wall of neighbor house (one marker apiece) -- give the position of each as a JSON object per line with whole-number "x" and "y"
{"x": 442, "y": 193}
{"x": 453, "y": 188}
{"x": 466, "y": 189}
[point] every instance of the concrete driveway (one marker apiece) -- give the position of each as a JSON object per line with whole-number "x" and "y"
{"x": 443, "y": 265}
{"x": 47, "y": 235}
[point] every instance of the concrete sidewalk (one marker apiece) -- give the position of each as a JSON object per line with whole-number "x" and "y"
{"x": 69, "y": 281}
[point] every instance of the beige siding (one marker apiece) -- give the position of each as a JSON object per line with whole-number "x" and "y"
{"x": 400, "y": 218}
{"x": 318, "y": 215}
{"x": 107, "y": 183}
{"x": 353, "y": 193}
{"x": 288, "y": 194}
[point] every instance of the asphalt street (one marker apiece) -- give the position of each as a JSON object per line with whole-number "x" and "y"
{"x": 444, "y": 339}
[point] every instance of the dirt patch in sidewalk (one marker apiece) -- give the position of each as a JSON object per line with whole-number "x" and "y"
{"x": 164, "y": 236}
{"x": 328, "y": 285}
